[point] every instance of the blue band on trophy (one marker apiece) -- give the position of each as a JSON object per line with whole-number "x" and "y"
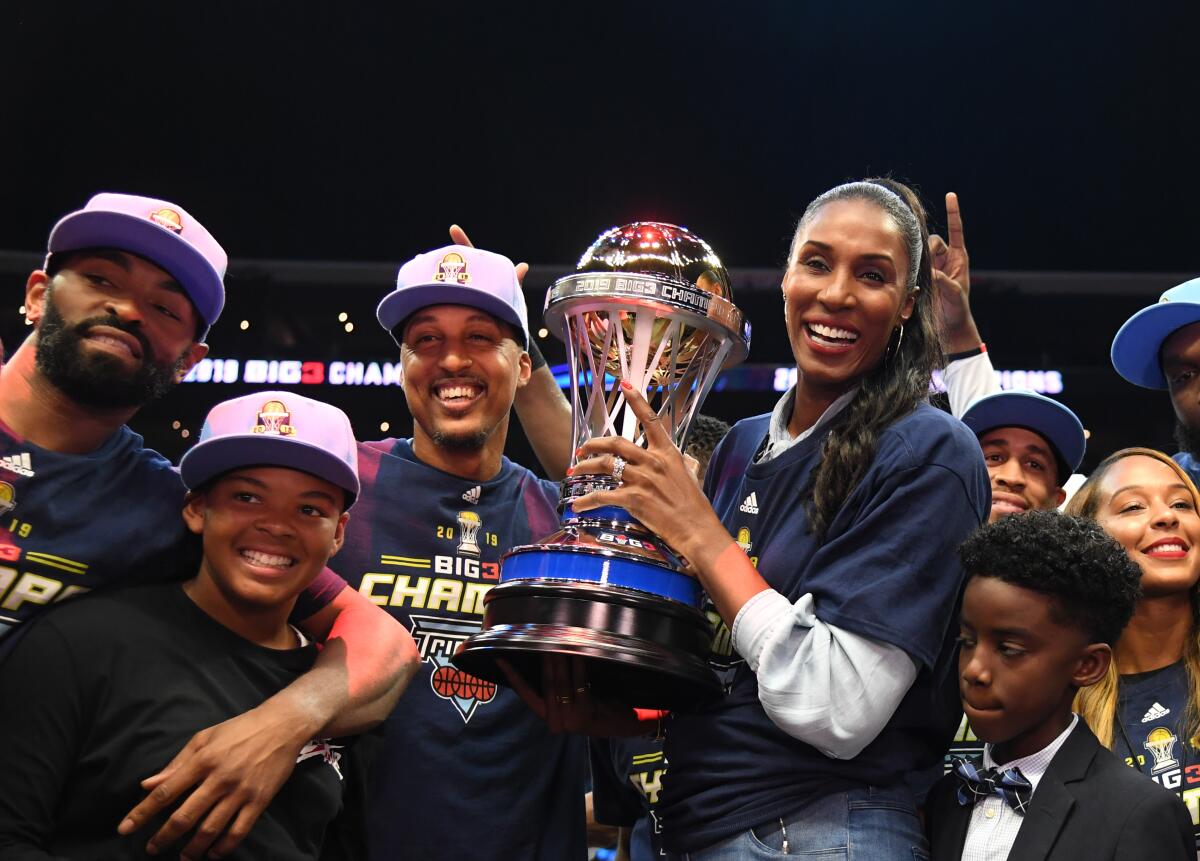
{"x": 611, "y": 570}
{"x": 604, "y": 512}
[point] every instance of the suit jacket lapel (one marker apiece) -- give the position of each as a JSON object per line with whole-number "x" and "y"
{"x": 950, "y": 836}
{"x": 1052, "y": 800}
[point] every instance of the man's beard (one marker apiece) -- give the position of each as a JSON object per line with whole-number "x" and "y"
{"x": 98, "y": 380}
{"x": 465, "y": 442}
{"x": 1188, "y": 439}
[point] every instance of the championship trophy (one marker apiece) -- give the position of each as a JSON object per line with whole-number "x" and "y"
{"x": 649, "y": 303}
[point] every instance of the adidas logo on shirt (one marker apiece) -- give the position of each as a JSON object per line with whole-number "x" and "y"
{"x": 472, "y": 495}
{"x": 18, "y": 463}
{"x": 749, "y": 504}
{"x": 1156, "y": 711}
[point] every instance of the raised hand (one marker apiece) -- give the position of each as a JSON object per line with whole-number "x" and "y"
{"x": 952, "y": 283}
{"x": 459, "y": 237}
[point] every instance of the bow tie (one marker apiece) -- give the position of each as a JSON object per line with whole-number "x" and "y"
{"x": 976, "y": 783}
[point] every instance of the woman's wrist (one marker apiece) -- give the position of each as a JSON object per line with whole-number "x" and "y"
{"x": 703, "y": 541}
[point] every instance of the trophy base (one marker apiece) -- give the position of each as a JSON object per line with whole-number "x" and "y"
{"x": 639, "y": 648}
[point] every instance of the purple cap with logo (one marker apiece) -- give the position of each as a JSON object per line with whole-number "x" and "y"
{"x": 457, "y": 275}
{"x": 158, "y": 230}
{"x": 275, "y": 429}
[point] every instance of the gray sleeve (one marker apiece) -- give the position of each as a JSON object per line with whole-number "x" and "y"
{"x": 825, "y": 686}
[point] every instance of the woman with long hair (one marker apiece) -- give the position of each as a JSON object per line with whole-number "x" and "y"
{"x": 1148, "y": 708}
{"x": 839, "y": 599}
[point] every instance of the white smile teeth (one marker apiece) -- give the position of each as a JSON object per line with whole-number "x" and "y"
{"x": 451, "y": 393}
{"x": 1168, "y": 548}
{"x": 832, "y": 333}
{"x": 269, "y": 559}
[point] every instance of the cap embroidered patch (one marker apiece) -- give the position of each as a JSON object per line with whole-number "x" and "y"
{"x": 452, "y": 269}
{"x": 274, "y": 418}
{"x": 167, "y": 218}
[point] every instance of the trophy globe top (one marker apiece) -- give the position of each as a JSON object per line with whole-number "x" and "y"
{"x": 663, "y": 251}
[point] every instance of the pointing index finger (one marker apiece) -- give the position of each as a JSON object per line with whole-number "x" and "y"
{"x": 656, "y": 434}
{"x": 954, "y": 225}
{"x": 459, "y": 236}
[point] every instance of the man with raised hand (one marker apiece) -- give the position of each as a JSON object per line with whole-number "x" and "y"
{"x": 120, "y": 312}
{"x": 461, "y": 769}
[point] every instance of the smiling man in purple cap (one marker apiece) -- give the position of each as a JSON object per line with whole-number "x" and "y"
{"x": 120, "y": 310}
{"x": 462, "y": 768}
{"x": 103, "y": 690}
{"x": 1159, "y": 348}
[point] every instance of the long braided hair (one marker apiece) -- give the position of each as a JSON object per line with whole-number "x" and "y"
{"x": 894, "y": 387}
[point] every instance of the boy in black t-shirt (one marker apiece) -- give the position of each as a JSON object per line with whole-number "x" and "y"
{"x": 1047, "y": 597}
{"x": 104, "y": 689}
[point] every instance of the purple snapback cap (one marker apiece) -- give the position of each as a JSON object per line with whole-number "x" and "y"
{"x": 162, "y": 232}
{"x": 457, "y": 275}
{"x": 275, "y": 429}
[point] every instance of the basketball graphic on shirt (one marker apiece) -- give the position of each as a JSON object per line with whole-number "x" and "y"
{"x": 1161, "y": 744}
{"x": 437, "y": 638}
{"x": 468, "y": 525}
{"x": 8, "y": 497}
{"x": 449, "y": 681}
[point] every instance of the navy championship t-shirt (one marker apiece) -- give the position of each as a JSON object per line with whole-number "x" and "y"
{"x": 1151, "y": 734}
{"x": 462, "y": 768}
{"x": 70, "y": 522}
{"x": 888, "y": 569}
{"x": 627, "y": 779}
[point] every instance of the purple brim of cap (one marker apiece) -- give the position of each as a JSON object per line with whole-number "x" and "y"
{"x": 399, "y": 305}
{"x": 1044, "y": 416}
{"x": 219, "y": 455}
{"x": 157, "y": 244}
{"x": 1137, "y": 347}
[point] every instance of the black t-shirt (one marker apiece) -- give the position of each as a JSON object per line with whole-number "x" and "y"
{"x": 101, "y": 692}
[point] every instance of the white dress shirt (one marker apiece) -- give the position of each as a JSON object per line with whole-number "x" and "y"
{"x": 994, "y": 824}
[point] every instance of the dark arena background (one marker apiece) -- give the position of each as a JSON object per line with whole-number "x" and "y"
{"x": 324, "y": 147}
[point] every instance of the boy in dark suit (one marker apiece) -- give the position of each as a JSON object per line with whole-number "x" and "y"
{"x": 1047, "y": 597}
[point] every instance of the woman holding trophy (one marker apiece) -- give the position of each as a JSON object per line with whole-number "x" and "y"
{"x": 837, "y": 595}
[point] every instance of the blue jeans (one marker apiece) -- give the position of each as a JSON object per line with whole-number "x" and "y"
{"x": 868, "y": 824}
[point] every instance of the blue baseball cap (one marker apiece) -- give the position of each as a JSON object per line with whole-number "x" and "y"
{"x": 1045, "y": 416}
{"x": 457, "y": 275}
{"x": 1137, "y": 348}
{"x": 275, "y": 429}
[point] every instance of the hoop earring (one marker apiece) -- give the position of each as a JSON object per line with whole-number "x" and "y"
{"x": 892, "y": 352}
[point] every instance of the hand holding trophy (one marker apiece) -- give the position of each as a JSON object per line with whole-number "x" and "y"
{"x": 649, "y": 303}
